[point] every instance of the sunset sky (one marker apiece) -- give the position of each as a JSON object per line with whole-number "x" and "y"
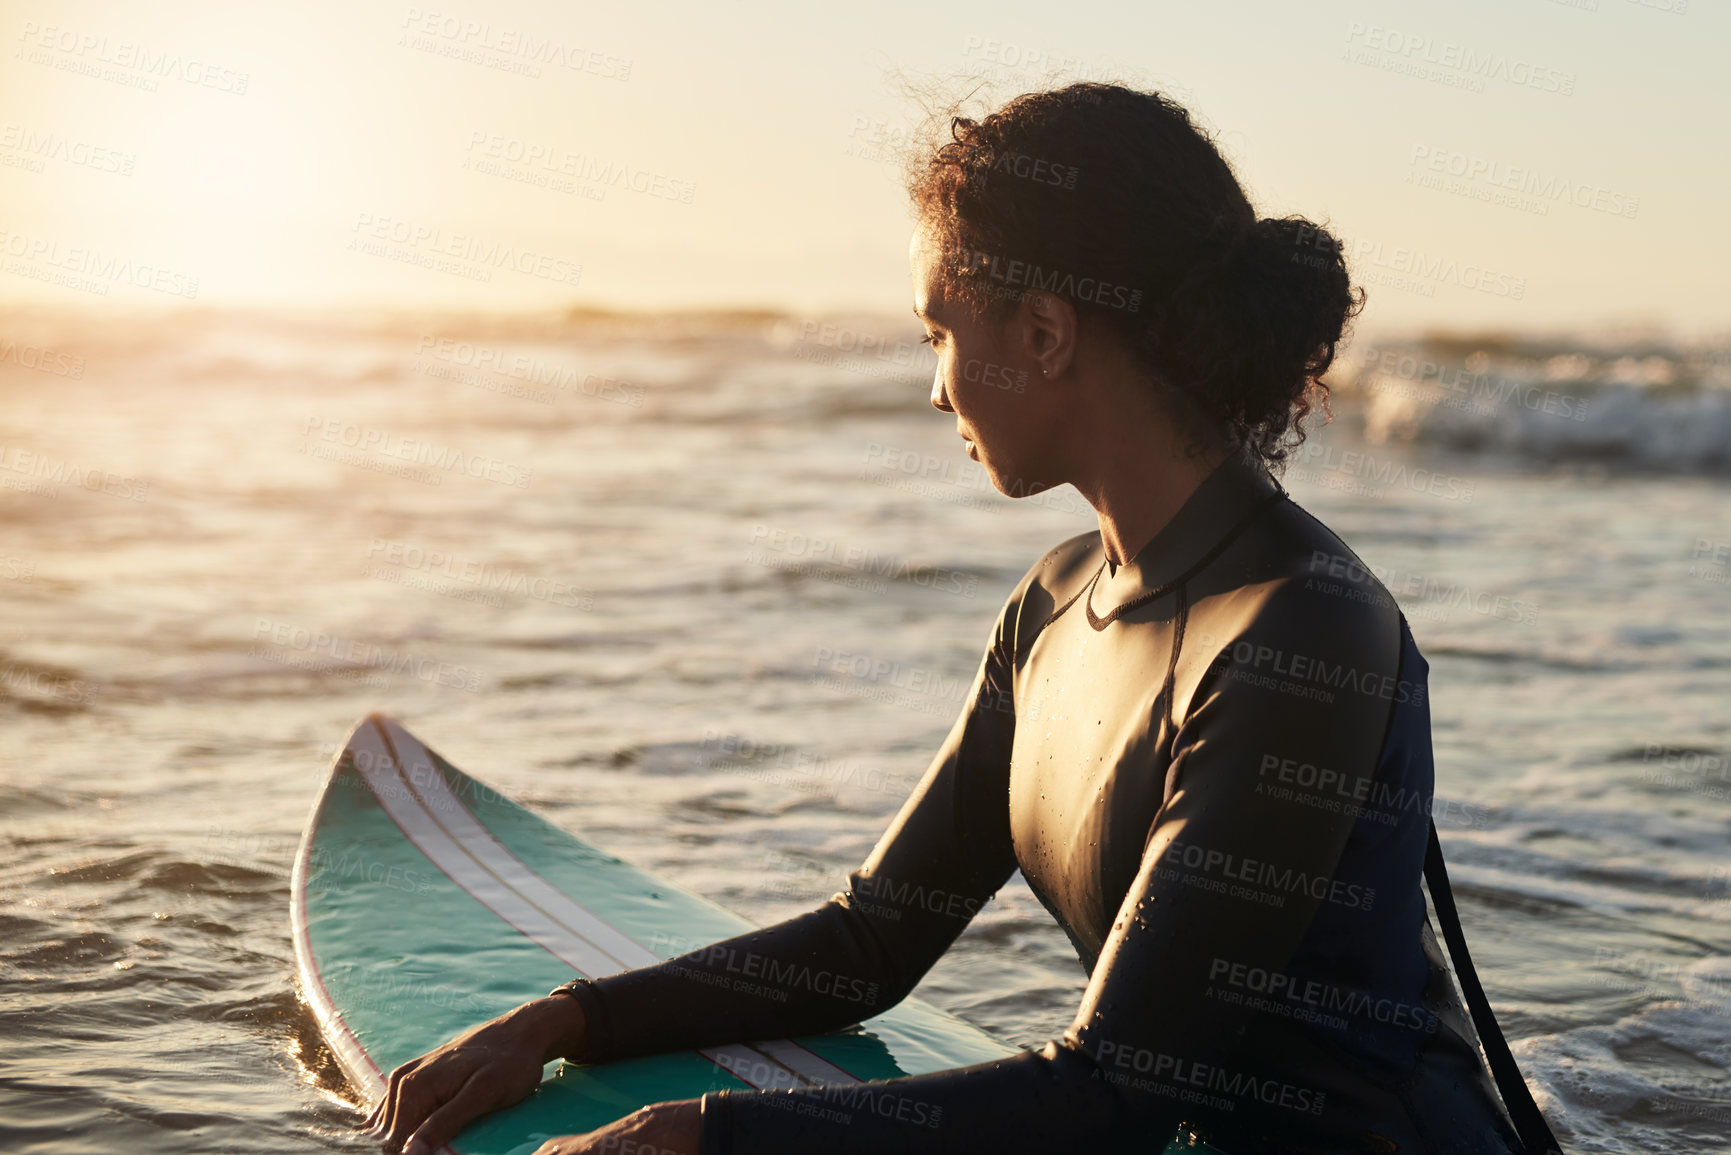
{"x": 1516, "y": 164}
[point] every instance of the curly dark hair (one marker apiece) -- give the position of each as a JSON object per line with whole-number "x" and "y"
{"x": 1117, "y": 201}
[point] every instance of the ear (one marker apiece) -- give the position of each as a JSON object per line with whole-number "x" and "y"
{"x": 1049, "y": 326}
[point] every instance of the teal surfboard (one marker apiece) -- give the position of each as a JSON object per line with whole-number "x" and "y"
{"x": 425, "y": 902}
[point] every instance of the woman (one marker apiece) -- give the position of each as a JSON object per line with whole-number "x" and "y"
{"x": 1201, "y": 732}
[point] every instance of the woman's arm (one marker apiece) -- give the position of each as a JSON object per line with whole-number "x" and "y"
{"x": 942, "y": 858}
{"x": 1232, "y": 876}
{"x": 852, "y": 958}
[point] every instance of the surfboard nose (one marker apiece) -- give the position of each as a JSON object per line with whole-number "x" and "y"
{"x": 365, "y": 731}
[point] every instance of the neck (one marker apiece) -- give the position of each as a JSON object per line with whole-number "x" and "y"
{"x": 1136, "y": 485}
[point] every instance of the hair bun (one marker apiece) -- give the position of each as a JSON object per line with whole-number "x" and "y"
{"x": 1257, "y": 321}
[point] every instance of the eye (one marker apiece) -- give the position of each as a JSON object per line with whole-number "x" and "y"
{"x": 931, "y": 339}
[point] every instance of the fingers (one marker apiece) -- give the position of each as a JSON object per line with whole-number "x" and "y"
{"x": 660, "y": 1129}
{"x": 567, "y": 1145}
{"x": 375, "y": 1117}
{"x": 475, "y": 1097}
{"x": 410, "y": 1098}
{"x": 373, "y": 1125}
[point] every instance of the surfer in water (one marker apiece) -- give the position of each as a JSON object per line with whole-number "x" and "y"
{"x": 1201, "y": 732}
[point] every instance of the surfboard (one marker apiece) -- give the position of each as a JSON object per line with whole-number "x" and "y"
{"x": 425, "y": 902}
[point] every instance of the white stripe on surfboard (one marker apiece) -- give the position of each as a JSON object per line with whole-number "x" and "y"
{"x": 394, "y": 790}
{"x": 789, "y": 1063}
{"x": 763, "y": 1065}
{"x": 468, "y": 853}
{"x": 415, "y": 763}
{"x": 808, "y": 1063}
{"x": 379, "y": 769}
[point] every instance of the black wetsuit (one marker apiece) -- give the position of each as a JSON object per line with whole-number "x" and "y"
{"x": 1213, "y": 766}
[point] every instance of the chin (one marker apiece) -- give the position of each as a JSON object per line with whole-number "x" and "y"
{"x": 1005, "y": 478}
{"x": 1013, "y": 486}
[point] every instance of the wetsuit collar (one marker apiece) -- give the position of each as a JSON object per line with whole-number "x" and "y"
{"x": 1218, "y": 504}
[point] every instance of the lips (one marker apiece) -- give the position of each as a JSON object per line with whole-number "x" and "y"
{"x": 968, "y": 442}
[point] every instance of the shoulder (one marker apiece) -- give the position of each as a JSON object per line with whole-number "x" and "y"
{"x": 1294, "y": 585}
{"x": 1066, "y": 565}
{"x": 1050, "y": 582}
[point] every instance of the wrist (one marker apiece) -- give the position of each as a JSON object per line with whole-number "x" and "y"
{"x": 559, "y": 1026}
{"x": 683, "y": 1126}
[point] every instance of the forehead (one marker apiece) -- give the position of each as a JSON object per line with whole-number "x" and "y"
{"x": 923, "y": 259}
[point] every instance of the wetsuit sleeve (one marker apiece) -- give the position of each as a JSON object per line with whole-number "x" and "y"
{"x": 942, "y": 858}
{"x": 1231, "y": 876}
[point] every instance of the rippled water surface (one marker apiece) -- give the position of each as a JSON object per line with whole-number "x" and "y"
{"x": 231, "y": 536}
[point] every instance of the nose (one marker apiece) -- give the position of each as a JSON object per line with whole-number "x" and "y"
{"x": 939, "y": 400}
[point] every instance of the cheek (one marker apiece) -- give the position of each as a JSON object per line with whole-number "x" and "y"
{"x": 965, "y": 397}
{"x": 989, "y": 390}
{"x": 965, "y": 378}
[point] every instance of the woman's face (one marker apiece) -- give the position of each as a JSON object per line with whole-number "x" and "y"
{"x": 989, "y": 376}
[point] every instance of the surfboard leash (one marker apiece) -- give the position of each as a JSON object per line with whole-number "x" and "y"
{"x": 1535, "y": 1134}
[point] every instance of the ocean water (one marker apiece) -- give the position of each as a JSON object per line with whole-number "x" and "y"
{"x": 709, "y": 593}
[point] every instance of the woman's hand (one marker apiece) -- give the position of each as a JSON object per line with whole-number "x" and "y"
{"x": 430, "y": 1099}
{"x": 662, "y": 1129}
